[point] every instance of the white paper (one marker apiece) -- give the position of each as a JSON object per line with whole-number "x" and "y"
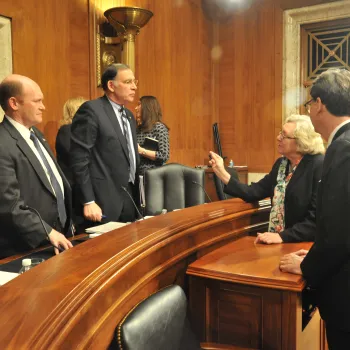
{"x": 6, "y": 277}
{"x": 110, "y": 226}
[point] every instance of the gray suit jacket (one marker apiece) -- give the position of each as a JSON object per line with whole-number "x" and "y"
{"x": 24, "y": 182}
{"x": 99, "y": 156}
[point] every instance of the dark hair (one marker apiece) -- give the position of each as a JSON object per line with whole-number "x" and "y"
{"x": 151, "y": 113}
{"x": 8, "y": 89}
{"x": 111, "y": 72}
{"x": 333, "y": 88}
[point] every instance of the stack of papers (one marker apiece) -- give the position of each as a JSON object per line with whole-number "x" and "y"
{"x": 100, "y": 229}
{"x": 6, "y": 276}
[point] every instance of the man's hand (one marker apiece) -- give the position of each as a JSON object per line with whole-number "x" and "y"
{"x": 291, "y": 263}
{"x": 268, "y": 238}
{"x": 92, "y": 212}
{"x": 59, "y": 240}
{"x": 217, "y": 164}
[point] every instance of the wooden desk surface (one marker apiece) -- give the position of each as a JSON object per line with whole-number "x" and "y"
{"x": 244, "y": 262}
{"x": 75, "y": 299}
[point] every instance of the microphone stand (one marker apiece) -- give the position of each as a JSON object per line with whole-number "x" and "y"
{"x": 197, "y": 183}
{"x": 126, "y": 191}
{"x": 27, "y": 207}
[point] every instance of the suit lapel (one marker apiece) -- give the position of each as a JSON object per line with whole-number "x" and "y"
{"x": 114, "y": 121}
{"x": 26, "y": 150}
{"x": 299, "y": 171}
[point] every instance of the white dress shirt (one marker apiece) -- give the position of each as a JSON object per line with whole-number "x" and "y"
{"x": 25, "y": 133}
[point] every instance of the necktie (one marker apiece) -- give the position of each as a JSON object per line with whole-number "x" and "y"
{"x": 129, "y": 144}
{"x": 55, "y": 185}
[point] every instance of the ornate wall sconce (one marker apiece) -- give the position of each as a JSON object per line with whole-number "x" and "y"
{"x": 117, "y": 44}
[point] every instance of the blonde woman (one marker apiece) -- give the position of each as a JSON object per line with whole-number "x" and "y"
{"x": 291, "y": 184}
{"x": 63, "y": 135}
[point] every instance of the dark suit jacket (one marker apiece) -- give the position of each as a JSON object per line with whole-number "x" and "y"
{"x": 327, "y": 265}
{"x": 99, "y": 156}
{"x": 63, "y": 151}
{"x": 24, "y": 182}
{"x": 300, "y": 197}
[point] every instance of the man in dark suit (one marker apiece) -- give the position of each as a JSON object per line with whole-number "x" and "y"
{"x": 326, "y": 267}
{"x": 29, "y": 174}
{"x": 104, "y": 155}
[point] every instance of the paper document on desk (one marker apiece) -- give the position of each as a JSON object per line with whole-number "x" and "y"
{"x": 110, "y": 226}
{"x": 6, "y": 277}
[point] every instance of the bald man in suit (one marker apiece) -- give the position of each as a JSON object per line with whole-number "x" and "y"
{"x": 29, "y": 174}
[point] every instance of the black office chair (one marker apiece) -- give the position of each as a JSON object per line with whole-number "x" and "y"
{"x": 219, "y": 185}
{"x": 159, "y": 323}
{"x": 173, "y": 186}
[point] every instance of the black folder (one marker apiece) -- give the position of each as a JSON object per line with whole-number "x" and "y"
{"x": 151, "y": 144}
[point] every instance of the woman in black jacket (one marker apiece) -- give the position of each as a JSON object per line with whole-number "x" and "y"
{"x": 291, "y": 184}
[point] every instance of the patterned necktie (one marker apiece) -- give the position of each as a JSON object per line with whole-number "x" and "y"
{"x": 55, "y": 185}
{"x": 128, "y": 142}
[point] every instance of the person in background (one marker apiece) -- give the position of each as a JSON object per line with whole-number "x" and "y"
{"x": 149, "y": 113}
{"x": 29, "y": 174}
{"x": 292, "y": 183}
{"x": 64, "y": 135}
{"x": 326, "y": 266}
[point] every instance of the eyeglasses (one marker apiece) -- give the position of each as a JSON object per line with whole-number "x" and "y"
{"x": 283, "y": 136}
{"x": 307, "y": 105}
{"x": 130, "y": 81}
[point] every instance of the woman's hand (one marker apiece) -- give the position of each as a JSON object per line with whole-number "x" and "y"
{"x": 268, "y": 238}
{"x": 140, "y": 150}
{"x": 217, "y": 164}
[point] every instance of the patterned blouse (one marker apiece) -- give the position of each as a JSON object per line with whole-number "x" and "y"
{"x": 277, "y": 214}
{"x": 160, "y": 133}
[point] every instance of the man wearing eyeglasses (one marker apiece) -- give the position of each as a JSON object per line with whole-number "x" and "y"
{"x": 104, "y": 155}
{"x": 326, "y": 266}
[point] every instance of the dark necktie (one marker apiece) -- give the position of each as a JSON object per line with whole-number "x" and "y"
{"x": 129, "y": 144}
{"x": 55, "y": 185}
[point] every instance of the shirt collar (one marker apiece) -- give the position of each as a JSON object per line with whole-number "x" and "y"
{"x": 24, "y": 131}
{"x": 115, "y": 105}
{"x": 331, "y": 136}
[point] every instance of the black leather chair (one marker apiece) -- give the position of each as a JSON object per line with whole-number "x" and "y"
{"x": 219, "y": 185}
{"x": 159, "y": 323}
{"x": 173, "y": 186}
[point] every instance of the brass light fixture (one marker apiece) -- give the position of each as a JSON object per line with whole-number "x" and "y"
{"x": 127, "y": 22}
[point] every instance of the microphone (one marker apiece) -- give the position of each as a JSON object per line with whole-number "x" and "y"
{"x": 126, "y": 191}
{"x": 27, "y": 207}
{"x": 197, "y": 183}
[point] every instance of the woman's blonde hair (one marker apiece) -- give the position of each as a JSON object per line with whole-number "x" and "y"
{"x": 307, "y": 139}
{"x": 70, "y": 108}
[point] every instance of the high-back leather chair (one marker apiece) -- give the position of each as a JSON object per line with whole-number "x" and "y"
{"x": 173, "y": 186}
{"x": 159, "y": 323}
{"x": 219, "y": 185}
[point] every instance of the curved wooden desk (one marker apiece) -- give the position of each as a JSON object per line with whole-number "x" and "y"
{"x": 76, "y": 299}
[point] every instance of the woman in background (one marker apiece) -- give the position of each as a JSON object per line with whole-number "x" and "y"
{"x": 64, "y": 133}
{"x": 149, "y": 113}
{"x": 291, "y": 184}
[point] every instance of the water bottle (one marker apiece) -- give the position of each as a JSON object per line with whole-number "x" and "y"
{"x": 230, "y": 165}
{"x": 26, "y": 265}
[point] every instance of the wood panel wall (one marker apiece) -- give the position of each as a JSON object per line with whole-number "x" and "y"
{"x": 53, "y": 44}
{"x": 173, "y": 63}
{"x": 250, "y": 85}
{"x": 50, "y": 42}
